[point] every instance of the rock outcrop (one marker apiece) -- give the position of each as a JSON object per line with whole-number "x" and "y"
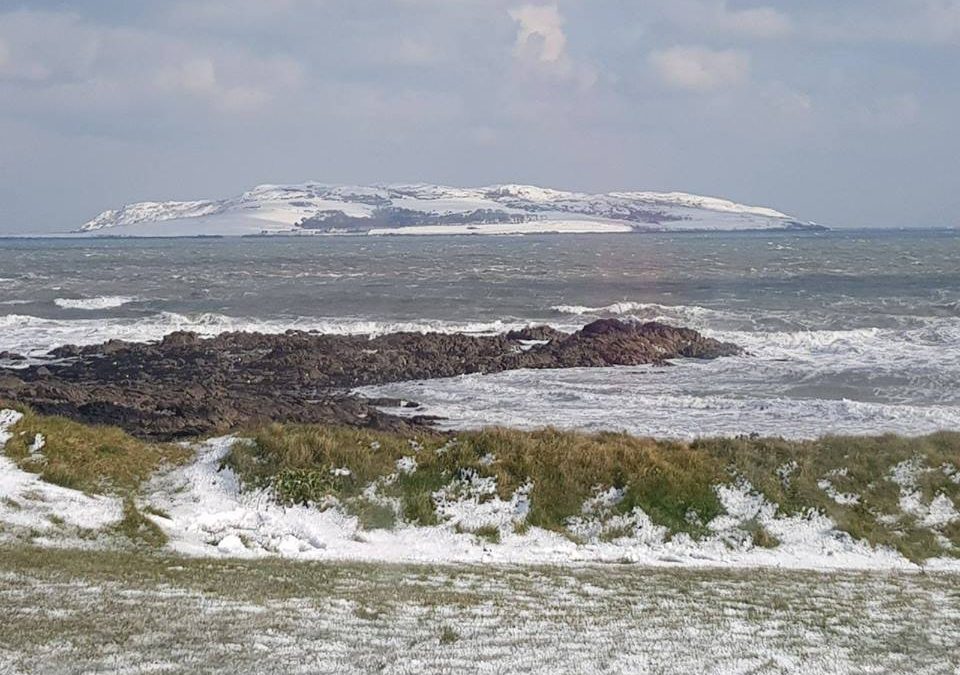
{"x": 185, "y": 385}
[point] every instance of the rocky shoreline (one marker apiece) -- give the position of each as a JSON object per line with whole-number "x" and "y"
{"x": 185, "y": 385}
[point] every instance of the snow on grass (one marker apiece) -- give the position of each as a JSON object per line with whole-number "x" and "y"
{"x": 208, "y": 514}
{"x": 101, "y": 612}
{"x": 43, "y": 510}
{"x": 842, "y": 498}
{"x": 203, "y": 509}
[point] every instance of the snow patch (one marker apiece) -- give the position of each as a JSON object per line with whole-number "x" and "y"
{"x": 30, "y": 504}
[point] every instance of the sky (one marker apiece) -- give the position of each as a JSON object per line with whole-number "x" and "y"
{"x": 844, "y": 113}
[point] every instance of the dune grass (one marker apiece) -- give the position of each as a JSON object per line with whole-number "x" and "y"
{"x": 95, "y": 460}
{"x": 92, "y": 459}
{"x": 792, "y": 473}
{"x": 870, "y": 487}
{"x": 673, "y": 482}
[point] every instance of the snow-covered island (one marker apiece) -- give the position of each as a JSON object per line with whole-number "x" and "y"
{"x": 317, "y": 208}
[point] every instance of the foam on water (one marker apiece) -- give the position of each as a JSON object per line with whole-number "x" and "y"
{"x": 843, "y": 332}
{"x": 100, "y": 302}
{"x": 643, "y": 402}
{"x": 35, "y": 336}
{"x": 800, "y": 384}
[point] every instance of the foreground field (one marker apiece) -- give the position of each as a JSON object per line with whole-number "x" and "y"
{"x": 68, "y": 612}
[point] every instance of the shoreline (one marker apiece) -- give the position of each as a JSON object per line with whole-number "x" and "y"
{"x": 185, "y": 385}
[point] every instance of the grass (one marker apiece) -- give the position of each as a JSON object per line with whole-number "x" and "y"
{"x": 92, "y": 459}
{"x": 136, "y": 611}
{"x": 304, "y": 465}
{"x": 138, "y": 528}
{"x": 672, "y": 482}
{"x": 367, "y": 473}
{"x": 855, "y": 465}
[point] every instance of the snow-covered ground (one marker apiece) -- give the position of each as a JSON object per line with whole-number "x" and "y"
{"x": 427, "y": 210}
{"x": 68, "y": 612}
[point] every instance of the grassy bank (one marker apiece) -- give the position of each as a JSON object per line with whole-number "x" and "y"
{"x": 891, "y": 491}
{"x": 885, "y": 490}
{"x": 96, "y": 460}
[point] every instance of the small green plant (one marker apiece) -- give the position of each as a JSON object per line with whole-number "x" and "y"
{"x": 448, "y": 635}
{"x": 759, "y": 535}
{"x": 138, "y": 528}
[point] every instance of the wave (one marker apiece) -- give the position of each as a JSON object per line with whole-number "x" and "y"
{"x": 100, "y": 302}
{"x": 692, "y": 316}
{"x": 676, "y": 404}
{"x": 35, "y": 336}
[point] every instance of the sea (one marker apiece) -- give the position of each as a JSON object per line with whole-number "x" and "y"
{"x": 845, "y": 332}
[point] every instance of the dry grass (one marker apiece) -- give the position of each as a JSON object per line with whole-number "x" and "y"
{"x": 93, "y": 459}
{"x": 672, "y": 482}
{"x": 669, "y": 481}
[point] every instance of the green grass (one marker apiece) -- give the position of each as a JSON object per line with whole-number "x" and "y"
{"x": 669, "y": 481}
{"x": 857, "y": 465}
{"x": 92, "y": 459}
{"x": 95, "y": 460}
{"x": 672, "y": 482}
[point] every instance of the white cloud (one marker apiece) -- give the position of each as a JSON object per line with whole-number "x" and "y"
{"x": 540, "y": 33}
{"x": 541, "y": 45}
{"x": 78, "y": 66}
{"x": 701, "y": 69}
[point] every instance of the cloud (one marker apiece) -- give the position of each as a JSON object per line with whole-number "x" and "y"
{"x": 541, "y": 45}
{"x": 540, "y": 34}
{"x": 80, "y": 67}
{"x": 700, "y": 69}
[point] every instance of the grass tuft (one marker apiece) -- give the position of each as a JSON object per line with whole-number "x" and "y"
{"x": 93, "y": 459}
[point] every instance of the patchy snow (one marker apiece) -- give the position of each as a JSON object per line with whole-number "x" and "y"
{"x": 207, "y": 513}
{"x": 940, "y": 512}
{"x": 28, "y": 503}
{"x": 278, "y": 209}
{"x": 37, "y": 444}
{"x": 842, "y": 498}
{"x": 407, "y": 464}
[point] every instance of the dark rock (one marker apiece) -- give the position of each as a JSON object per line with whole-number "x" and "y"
{"x": 536, "y": 333}
{"x": 184, "y": 385}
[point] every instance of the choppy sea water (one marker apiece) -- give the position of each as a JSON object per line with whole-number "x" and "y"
{"x": 846, "y": 332}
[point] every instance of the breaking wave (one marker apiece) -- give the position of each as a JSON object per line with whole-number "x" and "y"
{"x": 35, "y": 336}
{"x": 100, "y": 302}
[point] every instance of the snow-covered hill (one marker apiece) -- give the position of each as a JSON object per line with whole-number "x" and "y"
{"x": 316, "y": 208}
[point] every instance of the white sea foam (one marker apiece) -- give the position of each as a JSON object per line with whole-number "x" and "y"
{"x": 799, "y": 383}
{"x": 739, "y": 395}
{"x": 35, "y": 336}
{"x": 99, "y": 302}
